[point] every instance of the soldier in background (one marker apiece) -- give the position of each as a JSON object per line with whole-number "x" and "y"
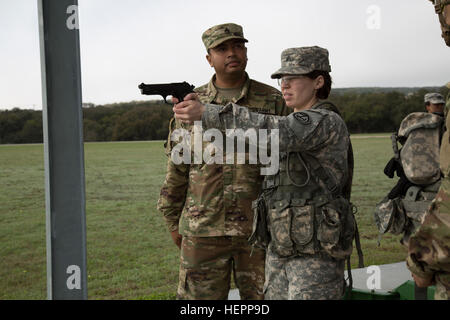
{"x": 434, "y": 103}
{"x": 306, "y": 204}
{"x": 429, "y": 248}
{"x": 207, "y": 207}
{"x": 416, "y": 163}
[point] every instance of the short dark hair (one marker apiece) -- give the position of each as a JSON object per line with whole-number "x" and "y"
{"x": 325, "y": 90}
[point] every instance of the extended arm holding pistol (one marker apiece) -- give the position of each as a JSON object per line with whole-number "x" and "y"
{"x": 178, "y": 90}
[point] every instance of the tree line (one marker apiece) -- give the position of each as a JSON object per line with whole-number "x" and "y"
{"x": 130, "y": 121}
{"x": 364, "y": 110}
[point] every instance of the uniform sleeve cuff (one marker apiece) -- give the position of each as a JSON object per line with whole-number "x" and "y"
{"x": 417, "y": 269}
{"x": 172, "y": 225}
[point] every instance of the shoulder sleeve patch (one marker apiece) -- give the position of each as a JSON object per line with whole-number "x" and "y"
{"x": 304, "y": 123}
{"x": 302, "y": 117}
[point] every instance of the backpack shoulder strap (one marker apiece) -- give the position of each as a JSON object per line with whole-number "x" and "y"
{"x": 347, "y": 187}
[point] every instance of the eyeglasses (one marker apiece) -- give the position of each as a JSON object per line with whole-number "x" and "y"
{"x": 287, "y": 79}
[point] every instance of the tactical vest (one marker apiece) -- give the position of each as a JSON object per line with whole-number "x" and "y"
{"x": 305, "y": 216}
{"x": 304, "y": 209}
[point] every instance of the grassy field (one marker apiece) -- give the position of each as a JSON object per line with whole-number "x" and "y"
{"x": 130, "y": 253}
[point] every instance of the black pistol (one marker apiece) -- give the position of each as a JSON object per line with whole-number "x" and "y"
{"x": 178, "y": 90}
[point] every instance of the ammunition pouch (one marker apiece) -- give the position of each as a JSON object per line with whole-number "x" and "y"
{"x": 390, "y": 216}
{"x": 405, "y": 213}
{"x": 298, "y": 216}
{"x": 321, "y": 225}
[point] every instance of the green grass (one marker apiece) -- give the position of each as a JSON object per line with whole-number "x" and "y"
{"x": 130, "y": 252}
{"x": 370, "y": 185}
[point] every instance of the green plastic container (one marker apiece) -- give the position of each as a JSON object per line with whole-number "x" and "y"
{"x": 405, "y": 291}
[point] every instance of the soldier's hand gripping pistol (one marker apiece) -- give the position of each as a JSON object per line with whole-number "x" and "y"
{"x": 178, "y": 90}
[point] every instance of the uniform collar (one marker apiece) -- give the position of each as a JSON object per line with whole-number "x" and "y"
{"x": 212, "y": 90}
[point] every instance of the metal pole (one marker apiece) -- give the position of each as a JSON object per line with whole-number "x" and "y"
{"x": 63, "y": 149}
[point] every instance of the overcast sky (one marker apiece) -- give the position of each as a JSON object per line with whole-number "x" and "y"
{"x": 382, "y": 43}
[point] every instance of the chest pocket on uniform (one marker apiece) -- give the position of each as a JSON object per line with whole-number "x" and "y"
{"x": 266, "y": 105}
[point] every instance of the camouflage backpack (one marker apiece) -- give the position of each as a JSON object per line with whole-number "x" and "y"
{"x": 417, "y": 165}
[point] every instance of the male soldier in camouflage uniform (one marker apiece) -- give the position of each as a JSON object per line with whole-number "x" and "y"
{"x": 310, "y": 223}
{"x": 434, "y": 103}
{"x": 207, "y": 207}
{"x": 429, "y": 248}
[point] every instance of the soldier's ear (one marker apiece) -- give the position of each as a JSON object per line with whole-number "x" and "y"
{"x": 319, "y": 82}
{"x": 208, "y": 58}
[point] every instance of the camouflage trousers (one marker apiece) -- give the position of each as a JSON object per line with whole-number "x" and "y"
{"x": 311, "y": 277}
{"x": 207, "y": 263}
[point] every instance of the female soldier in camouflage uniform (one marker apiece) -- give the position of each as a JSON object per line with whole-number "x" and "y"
{"x": 309, "y": 220}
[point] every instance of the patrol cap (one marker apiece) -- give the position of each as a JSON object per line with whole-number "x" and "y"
{"x": 434, "y": 98}
{"x": 302, "y": 61}
{"x": 221, "y": 33}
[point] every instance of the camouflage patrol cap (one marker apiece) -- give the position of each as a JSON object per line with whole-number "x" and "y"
{"x": 302, "y": 61}
{"x": 434, "y": 98}
{"x": 221, "y": 33}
